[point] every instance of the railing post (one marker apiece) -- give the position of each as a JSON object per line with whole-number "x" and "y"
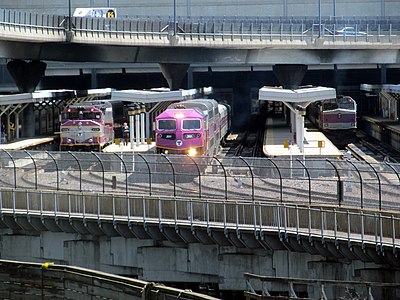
{"x": 280, "y": 179}
{"x": 80, "y": 170}
{"x": 309, "y": 179}
{"x": 126, "y": 172}
{"x": 102, "y": 169}
{"x": 379, "y": 185}
{"x": 15, "y": 167}
{"x": 393, "y": 235}
{"x": 198, "y": 172}
{"x": 361, "y": 183}
{"x": 55, "y": 163}
{"x": 225, "y": 175}
{"x": 173, "y": 172}
{"x": 252, "y": 177}
{"x": 340, "y": 189}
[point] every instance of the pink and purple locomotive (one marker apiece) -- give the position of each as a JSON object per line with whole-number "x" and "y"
{"x": 90, "y": 125}
{"x": 335, "y": 114}
{"x": 335, "y": 117}
{"x": 192, "y": 127}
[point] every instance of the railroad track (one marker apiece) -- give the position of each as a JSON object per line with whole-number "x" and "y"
{"x": 371, "y": 150}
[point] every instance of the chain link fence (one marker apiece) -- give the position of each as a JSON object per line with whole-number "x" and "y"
{"x": 310, "y": 181}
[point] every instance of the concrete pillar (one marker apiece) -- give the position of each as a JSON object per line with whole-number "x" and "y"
{"x": 174, "y": 74}
{"x": 26, "y": 74}
{"x": 300, "y": 131}
{"x": 383, "y": 74}
{"x": 190, "y": 78}
{"x": 28, "y": 128}
{"x": 137, "y": 127}
{"x": 241, "y": 104}
{"x": 94, "y": 79}
{"x": 292, "y": 121}
{"x": 290, "y": 76}
{"x": 142, "y": 125}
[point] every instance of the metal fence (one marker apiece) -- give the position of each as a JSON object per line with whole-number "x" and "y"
{"x": 374, "y": 30}
{"x": 362, "y": 227}
{"x": 335, "y": 182}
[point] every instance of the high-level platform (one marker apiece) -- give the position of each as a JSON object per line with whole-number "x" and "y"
{"x": 295, "y": 140}
{"x": 29, "y": 143}
{"x": 119, "y": 147}
{"x": 279, "y": 142}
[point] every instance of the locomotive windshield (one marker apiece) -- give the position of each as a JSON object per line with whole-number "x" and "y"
{"x": 168, "y": 124}
{"x": 330, "y": 105}
{"x": 343, "y": 103}
{"x": 73, "y": 115}
{"x": 191, "y": 124}
{"x": 89, "y": 115}
{"x": 81, "y": 115}
{"x": 346, "y": 103}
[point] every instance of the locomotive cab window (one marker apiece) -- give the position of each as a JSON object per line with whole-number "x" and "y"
{"x": 91, "y": 116}
{"x": 70, "y": 115}
{"x": 168, "y": 124}
{"x": 330, "y": 106}
{"x": 191, "y": 124}
{"x": 346, "y": 103}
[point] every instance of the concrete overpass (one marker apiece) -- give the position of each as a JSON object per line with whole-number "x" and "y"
{"x": 166, "y": 219}
{"x": 210, "y": 242}
{"x": 33, "y": 37}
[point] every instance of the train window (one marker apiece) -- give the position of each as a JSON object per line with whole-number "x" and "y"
{"x": 346, "y": 103}
{"x": 329, "y": 105}
{"x": 91, "y": 116}
{"x": 191, "y": 124}
{"x": 71, "y": 115}
{"x": 166, "y": 124}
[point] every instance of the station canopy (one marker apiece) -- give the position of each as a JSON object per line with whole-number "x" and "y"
{"x": 158, "y": 95}
{"x": 301, "y": 95}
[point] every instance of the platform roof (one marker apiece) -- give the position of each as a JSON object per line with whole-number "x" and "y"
{"x": 158, "y": 95}
{"x": 301, "y": 95}
{"x": 38, "y": 96}
{"x": 391, "y": 88}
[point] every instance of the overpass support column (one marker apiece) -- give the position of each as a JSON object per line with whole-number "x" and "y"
{"x": 290, "y": 76}
{"x": 383, "y": 74}
{"x": 26, "y": 74}
{"x": 241, "y": 105}
{"x": 28, "y": 128}
{"x": 174, "y": 74}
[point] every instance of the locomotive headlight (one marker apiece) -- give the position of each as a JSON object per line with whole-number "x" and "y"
{"x": 69, "y": 141}
{"x": 179, "y": 115}
{"x": 90, "y": 141}
{"x": 159, "y": 135}
{"x": 192, "y": 152}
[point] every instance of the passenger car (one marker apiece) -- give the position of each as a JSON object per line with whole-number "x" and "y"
{"x": 349, "y": 31}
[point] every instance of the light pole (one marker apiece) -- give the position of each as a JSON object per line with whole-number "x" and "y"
{"x": 334, "y": 8}
{"x": 69, "y": 15}
{"x": 319, "y": 18}
{"x": 174, "y": 17}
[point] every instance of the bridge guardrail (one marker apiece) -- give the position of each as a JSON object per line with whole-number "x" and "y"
{"x": 315, "y": 181}
{"x": 27, "y": 280}
{"x": 222, "y": 30}
{"x": 363, "y": 227}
